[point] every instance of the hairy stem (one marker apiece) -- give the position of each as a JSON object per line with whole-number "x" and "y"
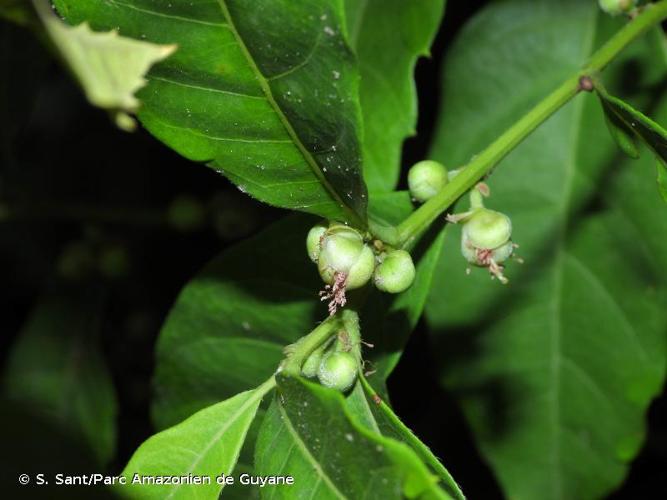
{"x": 413, "y": 226}
{"x": 298, "y": 352}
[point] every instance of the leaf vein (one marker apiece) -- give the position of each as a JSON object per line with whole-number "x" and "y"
{"x": 199, "y": 133}
{"x": 300, "y": 65}
{"x": 307, "y": 155}
{"x": 628, "y": 326}
{"x": 207, "y": 89}
{"x": 216, "y": 437}
{"x": 306, "y": 453}
{"x": 168, "y": 16}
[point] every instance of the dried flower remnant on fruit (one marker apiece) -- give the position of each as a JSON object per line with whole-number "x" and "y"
{"x": 489, "y": 258}
{"x": 335, "y": 293}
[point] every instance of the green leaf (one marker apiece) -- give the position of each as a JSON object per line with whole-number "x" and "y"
{"x": 265, "y": 92}
{"x": 625, "y": 138}
{"x": 228, "y": 327}
{"x": 366, "y": 404}
{"x": 635, "y": 124}
{"x": 556, "y": 370}
{"x": 662, "y": 179}
{"x": 388, "y": 37}
{"x": 205, "y": 445}
{"x": 309, "y": 434}
{"x": 56, "y": 369}
{"x": 109, "y": 68}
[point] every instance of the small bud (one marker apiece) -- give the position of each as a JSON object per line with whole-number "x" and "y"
{"x": 313, "y": 241}
{"x": 487, "y": 229}
{"x": 615, "y": 7}
{"x": 395, "y": 273}
{"x": 426, "y": 179}
{"x": 338, "y": 370}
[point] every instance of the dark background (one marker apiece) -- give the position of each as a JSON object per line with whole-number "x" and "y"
{"x": 84, "y": 206}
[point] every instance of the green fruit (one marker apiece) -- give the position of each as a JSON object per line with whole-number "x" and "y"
{"x": 395, "y": 273}
{"x": 313, "y": 241}
{"x": 487, "y": 229}
{"x": 338, "y": 370}
{"x": 503, "y": 252}
{"x": 312, "y": 365}
{"x": 343, "y": 251}
{"x": 340, "y": 247}
{"x": 615, "y": 7}
{"x": 426, "y": 179}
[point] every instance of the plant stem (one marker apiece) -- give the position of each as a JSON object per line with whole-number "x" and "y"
{"x": 302, "y": 348}
{"x": 413, "y": 226}
{"x": 385, "y": 233}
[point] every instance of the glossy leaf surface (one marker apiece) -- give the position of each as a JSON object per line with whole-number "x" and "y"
{"x": 205, "y": 445}
{"x": 308, "y": 434}
{"x": 579, "y": 331}
{"x": 266, "y": 92}
{"x": 388, "y": 37}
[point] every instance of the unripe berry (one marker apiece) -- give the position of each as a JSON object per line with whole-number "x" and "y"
{"x": 312, "y": 364}
{"x": 313, "y": 241}
{"x": 487, "y": 229}
{"x": 615, "y": 7}
{"x": 344, "y": 252}
{"x": 503, "y": 252}
{"x": 395, "y": 273}
{"x": 338, "y": 370}
{"x": 426, "y": 179}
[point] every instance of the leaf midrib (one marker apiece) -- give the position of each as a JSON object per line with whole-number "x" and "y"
{"x": 556, "y": 344}
{"x": 253, "y": 398}
{"x": 266, "y": 88}
{"x": 306, "y": 453}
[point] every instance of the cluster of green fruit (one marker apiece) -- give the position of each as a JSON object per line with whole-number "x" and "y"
{"x": 336, "y": 363}
{"x": 347, "y": 260}
{"x": 485, "y": 235}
